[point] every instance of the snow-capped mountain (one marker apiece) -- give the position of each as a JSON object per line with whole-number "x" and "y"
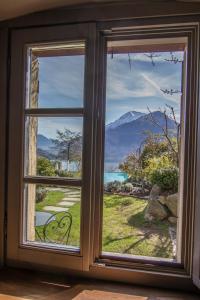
{"x": 127, "y": 137}
{"x": 126, "y": 118}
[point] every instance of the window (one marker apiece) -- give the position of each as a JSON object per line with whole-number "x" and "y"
{"x": 53, "y": 110}
{"x": 102, "y": 179}
{"x": 142, "y": 148}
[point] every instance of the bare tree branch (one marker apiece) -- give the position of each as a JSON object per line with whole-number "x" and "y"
{"x": 173, "y": 59}
{"x": 165, "y": 132}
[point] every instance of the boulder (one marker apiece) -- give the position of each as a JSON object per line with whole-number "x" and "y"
{"x": 155, "y": 192}
{"x": 172, "y": 220}
{"x": 162, "y": 199}
{"x": 171, "y": 203}
{"x": 155, "y": 211}
{"x": 139, "y": 191}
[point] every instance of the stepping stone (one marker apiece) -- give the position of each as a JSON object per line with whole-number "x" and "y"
{"x": 66, "y": 203}
{"x": 55, "y": 208}
{"x": 72, "y": 193}
{"x": 65, "y": 190}
{"x": 71, "y": 199}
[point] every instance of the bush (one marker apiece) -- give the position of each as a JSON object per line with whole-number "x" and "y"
{"x": 62, "y": 173}
{"x": 166, "y": 178}
{"x": 127, "y": 187}
{"x": 161, "y": 171}
{"x": 41, "y": 193}
{"x": 45, "y": 167}
{"x": 113, "y": 186}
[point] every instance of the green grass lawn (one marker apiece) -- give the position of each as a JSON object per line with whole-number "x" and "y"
{"x": 52, "y": 199}
{"x": 124, "y": 227}
{"x": 126, "y": 231}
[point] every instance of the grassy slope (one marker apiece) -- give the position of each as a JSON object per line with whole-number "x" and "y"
{"x": 126, "y": 231}
{"x": 124, "y": 227}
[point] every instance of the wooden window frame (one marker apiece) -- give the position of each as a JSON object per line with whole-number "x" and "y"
{"x": 3, "y": 143}
{"x": 104, "y": 263}
{"x": 18, "y": 251}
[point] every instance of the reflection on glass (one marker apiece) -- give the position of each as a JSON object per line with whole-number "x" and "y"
{"x": 52, "y": 215}
{"x": 53, "y": 146}
{"x": 56, "y": 76}
{"x": 142, "y": 150}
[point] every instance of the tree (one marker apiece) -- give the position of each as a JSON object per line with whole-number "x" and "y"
{"x": 172, "y": 142}
{"x": 45, "y": 167}
{"x": 152, "y": 163}
{"x": 68, "y": 144}
{"x": 152, "y": 146}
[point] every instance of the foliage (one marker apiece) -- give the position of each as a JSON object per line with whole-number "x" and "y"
{"x": 166, "y": 178}
{"x": 156, "y": 163}
{"x": 45, "y": 167}
{"x": 154, "y": 146}
{"x": 132, "y": 167}
{"x": 41, "y": 193}
{"x": 154, "y": 155}
{"x": 162, "y": 171}
{"x": 127, "y": 187}
{"x": 62, "y": 173}
{"x": 69, "y": 146}
{"x": 113, "y": 186}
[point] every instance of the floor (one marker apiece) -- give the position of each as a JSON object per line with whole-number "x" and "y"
{"x": 16, "y": 285}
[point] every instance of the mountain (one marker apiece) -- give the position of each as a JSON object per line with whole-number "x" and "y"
{"x": 126, "y": 118}
{"x": 127, "y": 137}
{"x": 46, "y": 154}
{"x": 44, "y": 143}
{"x": 46, "y": 147}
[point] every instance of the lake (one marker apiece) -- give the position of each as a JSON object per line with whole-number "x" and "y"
{"x": 112, "y": 176}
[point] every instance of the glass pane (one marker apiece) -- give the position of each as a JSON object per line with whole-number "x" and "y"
{"x": 52, "y": 215}
{"x": 53, "y": 146}
{"x": 142, "y": 150}
{"x": 56, "y": 76}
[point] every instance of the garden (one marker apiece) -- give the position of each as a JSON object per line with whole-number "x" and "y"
{"x": 140, "y": 212}
{"x": 125, "y": 229}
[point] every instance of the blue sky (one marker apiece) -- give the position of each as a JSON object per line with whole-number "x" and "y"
{"x": 139, "y": 87}
{"x": 135, "y": 88}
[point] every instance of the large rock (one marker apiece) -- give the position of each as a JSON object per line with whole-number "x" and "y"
{"x": 171, "y": 202}
{"x": 155, "y": 192}
{"x": 162, "y": 199}
{"x": 155, "y": 211}
{"x": 172, "y": 220}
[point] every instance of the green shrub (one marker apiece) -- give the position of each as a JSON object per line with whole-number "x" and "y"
{"x": 41, "y": 193}
{"x": 62, "y": 173}
{"x": 113, "y": 186}
{"x": 127, "y": 187}
{"x": 45, "y": 167}
{"x": 166, "y": 178}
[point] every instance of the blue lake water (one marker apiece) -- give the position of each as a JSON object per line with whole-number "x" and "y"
{"x": 112, "y": 176}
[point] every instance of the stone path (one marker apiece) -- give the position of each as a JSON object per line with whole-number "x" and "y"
{"x": 55, "y": 208}
{"x": 66, "y": 203}
{"x": 71, "y": 197}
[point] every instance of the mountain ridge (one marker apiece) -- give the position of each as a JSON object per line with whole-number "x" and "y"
{"x": 122, "y": 137}
{"x": 125, "y": 118}
{"x": 128, "y": 137}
